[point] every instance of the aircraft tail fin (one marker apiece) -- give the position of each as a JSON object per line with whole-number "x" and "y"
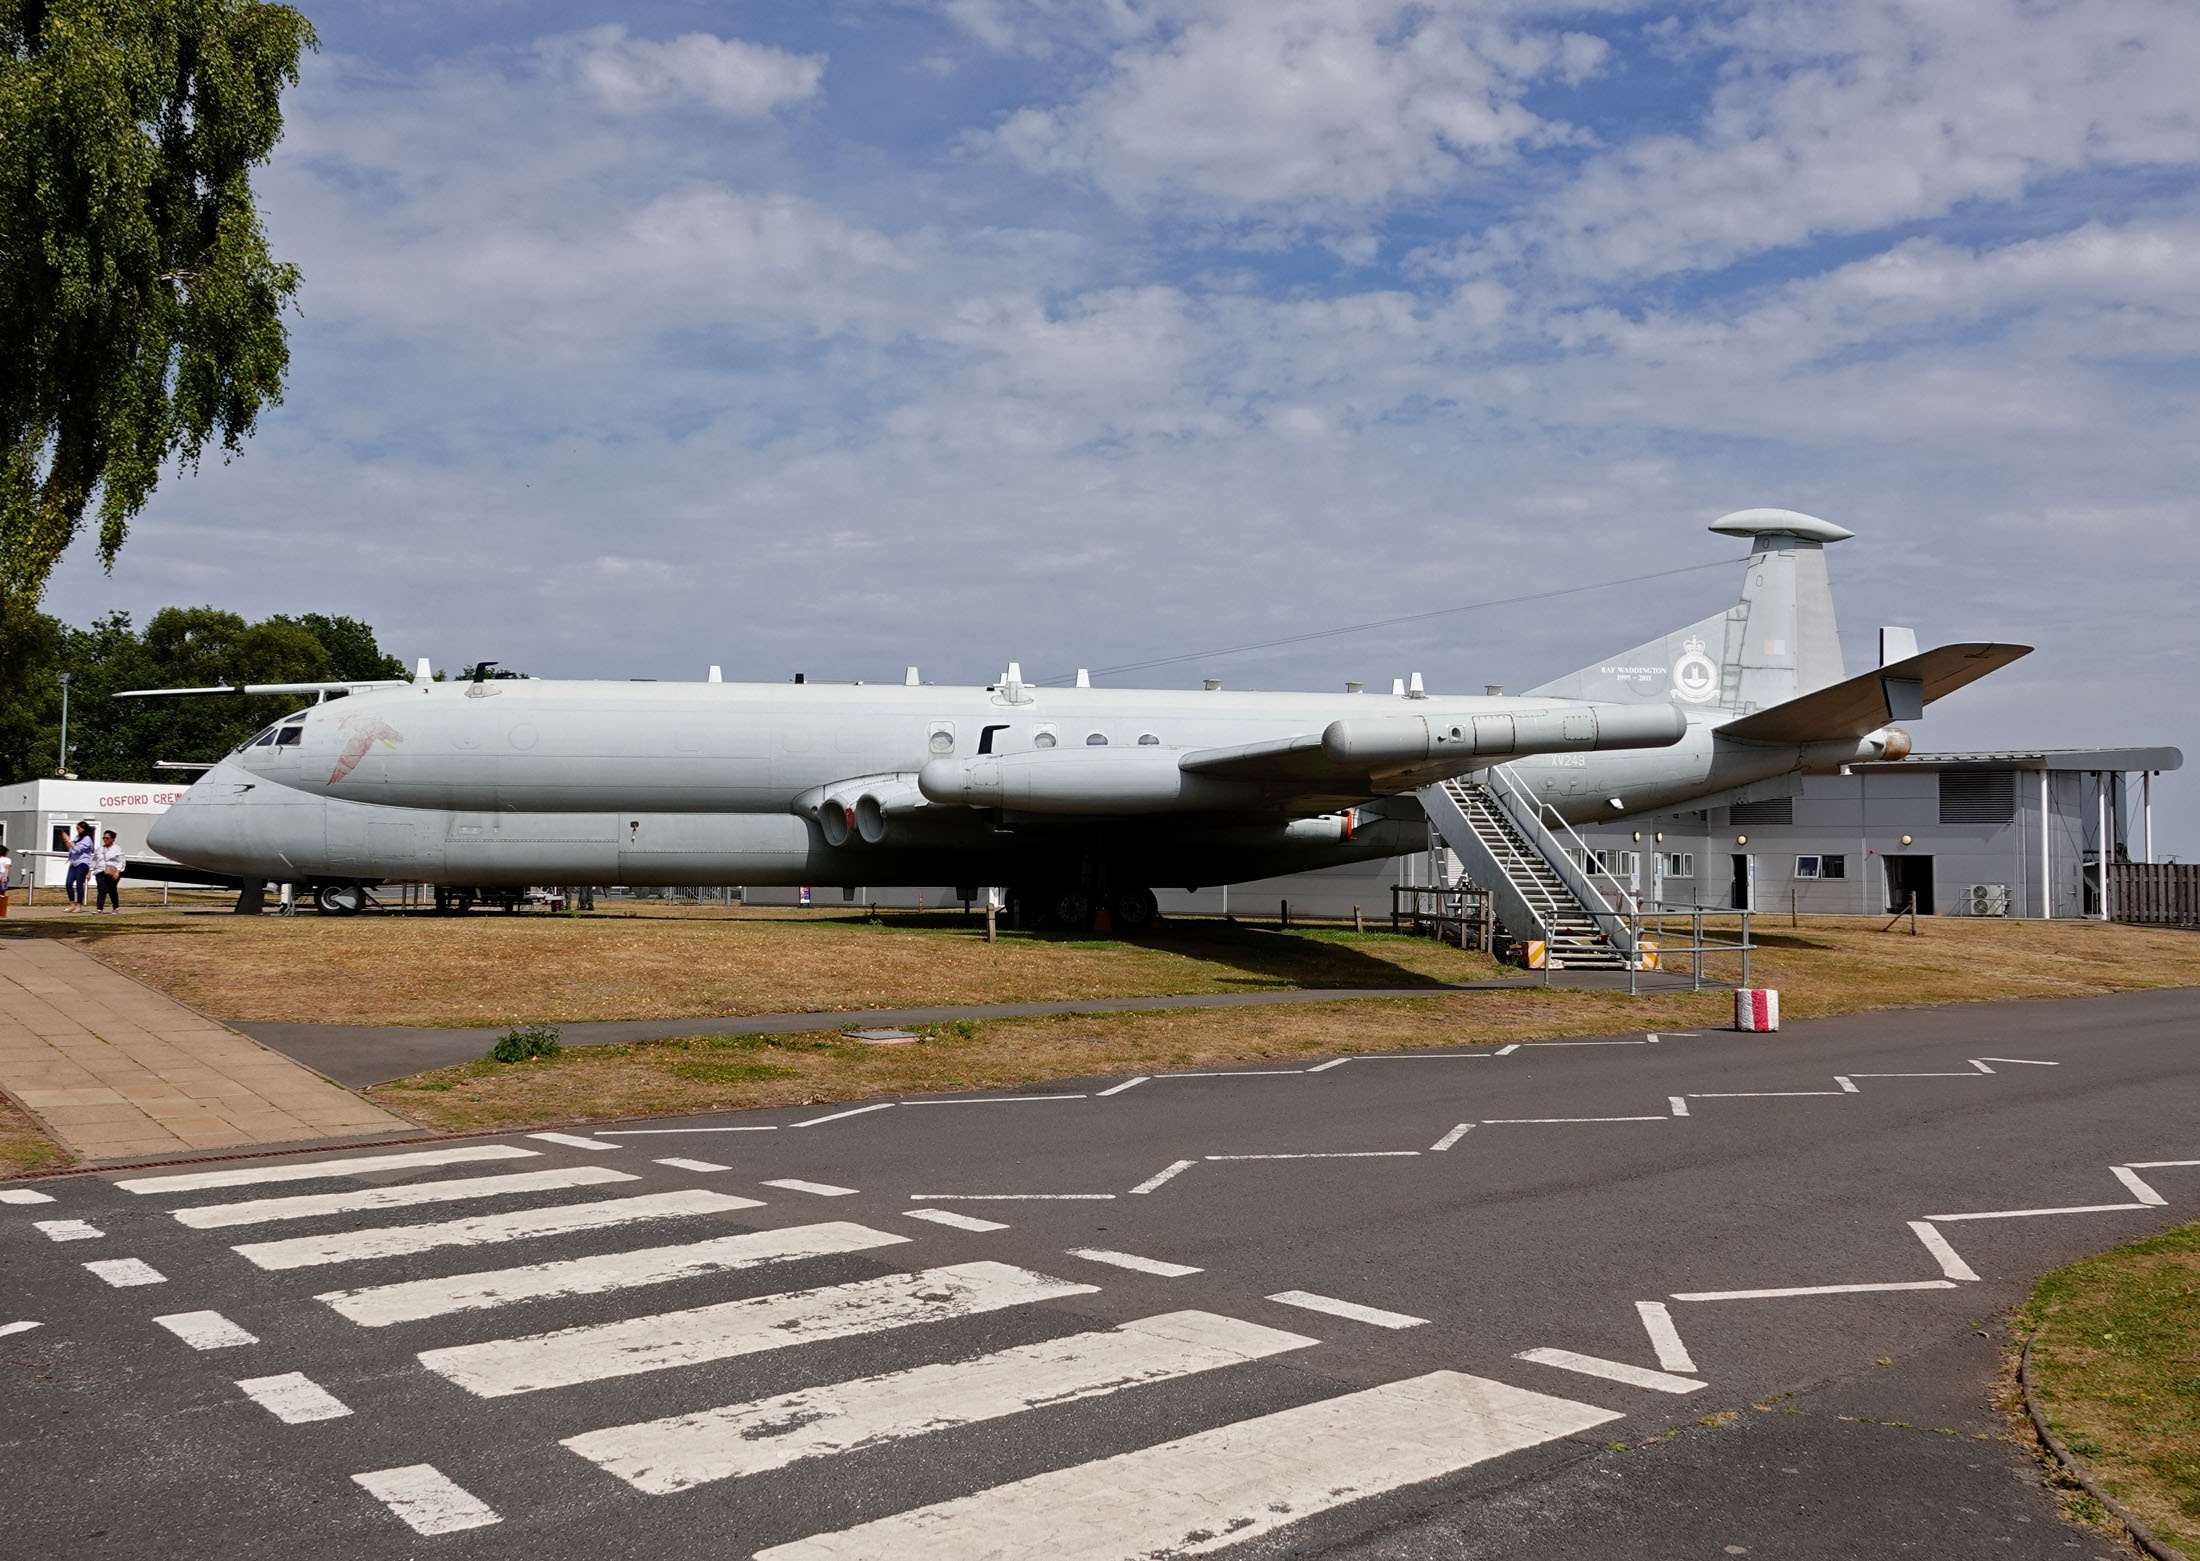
{"x": 1777, "y": 643}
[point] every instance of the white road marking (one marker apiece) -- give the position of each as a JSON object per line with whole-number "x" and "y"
{"x": 1612, "y": 1370}
{"x": 954, "y": 1221}
{"x": 1774, "y": 1295}
{"x": 1218, "y": 1488}
{"x": 1306, "y": 1300}
{"x": 1131, "y": 1260}
{"x": 658, "y": 1132}
{"x": 1117, "y": 1089}
{"x": 573, "y": 1141}
{"x": 2019, "y": 1214}
{"x": 2139, "y": 1189}
{"x": 480, "y": 1230}
{"x": 1532, "y": 1121}
{"x": 1412, "y": 1057}
{"x": 1011, "y": 1197}
{"x": 1679, "y": 1105}
{"x": 635, "y": 1345}
{"x": 427, "y": 1499}
{"x": 67, "y": 1230}
{"x": 18, "y": 1327}
{"x": 821, "y": 1189}
{"x": 2157, "y": 1165}
{"x": 380, "y": 1305}
{"x": 1155, "y": 1180}
{"x": 1588, "y": 1043}
{"x": 1512, "y": 1047}
{"x": 206, "y": 1330}
{"x": 679, "y": 1164}
{"x": 1848, "y": 1086}
{"x": 1916, "y": 1075}
{"x": 684, "y": 1451}
{"x": 842, "y": 1116}
{"x": 2029, "y": 1062}
{"x": 23, "y": 1195}
{"x": 1657, "y": 1321}
{"x": 1950, "y": 1261}
{"x": 294, "y": 1398}
{"x": 1342, "y": 1154}
{"x": 1324, "y": 1067}
{"x": 309, "y": 1170}
{"x": 990, "y": 1100}
{"x": 122, "y": 1272}
{"x": 257, "y": 1211}
{"x": 1980, "y": 1064}
{"x": 1451, "y": 1137}
{"x": 1780, "y": 1094}
{"x": 1238, "y": 1073}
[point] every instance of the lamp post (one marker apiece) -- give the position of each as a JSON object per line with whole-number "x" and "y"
{"x": 67, "y": 678}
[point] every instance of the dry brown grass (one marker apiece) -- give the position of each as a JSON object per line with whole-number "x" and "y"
{"x": 24, "y": 1150}
{"x": 1822, "y": 968}
{"x": 497, "y": 969}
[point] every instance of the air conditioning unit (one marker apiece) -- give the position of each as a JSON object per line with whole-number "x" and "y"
{"x": 1988, "y": 899}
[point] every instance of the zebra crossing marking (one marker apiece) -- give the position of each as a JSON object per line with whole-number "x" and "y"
{"x": 17, "y": 1327}
{"x": 682, "y": 1451}
{"x": 294, "y": 1398}
{"x": 1221, "y": 1487}
{"x": 1612, "y": 1370}
{"x": 1353, "y": 1311}
{"x": 486, "y": 1229}
{"x": 1657, "y": 1321}
{"x": 122, "y": 1272}
{"x": 680, "y": 1164}
{"x": 633, "y": 1345}
{"x": 24, "y": 1195}
{"x": 952, "y": 1220}
{"x": 820, "y": 1189}
{"x": 206, "y": 1330}
{"x": 257, "y": 1211}
{"x": 427, "y": 1500}
{"x": 311, "y": 1170}
{"x": 574, "y": 1141}
{"x": 1132, "y": 1261}
{"x": 67, "y": 1230}
{"x": 380, "y": 1305}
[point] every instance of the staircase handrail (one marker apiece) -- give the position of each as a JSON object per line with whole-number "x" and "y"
{"x": 1526, "y": 813}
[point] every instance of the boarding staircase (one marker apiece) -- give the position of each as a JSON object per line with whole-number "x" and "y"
{"x": 1540, "y": 895}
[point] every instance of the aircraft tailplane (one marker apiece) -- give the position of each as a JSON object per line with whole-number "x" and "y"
{"x": 1777, "y": 643}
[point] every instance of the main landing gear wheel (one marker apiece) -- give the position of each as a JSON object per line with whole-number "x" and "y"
{"x": 1071, "y": 910}
{"x": 1134, "y": 910}
{"x": 339, "y": 899}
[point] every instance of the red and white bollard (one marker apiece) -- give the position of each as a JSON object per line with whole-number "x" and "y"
{"x": 1756, "y": 1008}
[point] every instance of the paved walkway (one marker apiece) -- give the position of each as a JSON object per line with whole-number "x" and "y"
{"x": 363, "y": 1054}
{"x": 111, "y": 1068}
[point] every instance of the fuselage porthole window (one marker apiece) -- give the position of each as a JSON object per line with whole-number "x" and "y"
{"x": 1148, "y": 740}
{"x": 1043, "y": 740}
{"x": 942, "y": 739}
{"x": 1097, "y": 740}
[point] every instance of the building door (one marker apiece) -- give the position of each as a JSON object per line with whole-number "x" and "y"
{"x": 1908, "y": 875}
{"x": 1739, "y": 896}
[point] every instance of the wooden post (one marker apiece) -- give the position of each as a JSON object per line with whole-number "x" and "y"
{"x": 989, "y": 914}
{"x": 1283, "y": 914}
{"x": 1357, "y": 924}
{"x": 1793, "y": 896}
{"x": 1913, "y": 913}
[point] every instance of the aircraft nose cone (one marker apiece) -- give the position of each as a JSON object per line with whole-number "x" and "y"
{"x": 192, "y": 832}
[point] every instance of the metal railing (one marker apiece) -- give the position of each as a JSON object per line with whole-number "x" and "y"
{"x": 1657, "y": 930}
{"x": 1462, "y": 914}
{"x": 1527, "y": 814}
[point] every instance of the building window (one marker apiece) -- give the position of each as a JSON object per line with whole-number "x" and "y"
{"x": 1679, "y": 864}
{"x": 1978, "y": 796}
{"x": 1807, "y": 866}
{"x": 1833, "y": 867}
{"x": 1773, "y": 810}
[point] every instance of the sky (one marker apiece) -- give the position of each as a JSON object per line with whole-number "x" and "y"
{"x": 839, "y": 337}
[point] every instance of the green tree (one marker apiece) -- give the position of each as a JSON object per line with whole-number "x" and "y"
{"x": 140, "y": 309}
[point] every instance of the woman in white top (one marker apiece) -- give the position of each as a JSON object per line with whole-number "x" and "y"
{"x": 108, "y": 862}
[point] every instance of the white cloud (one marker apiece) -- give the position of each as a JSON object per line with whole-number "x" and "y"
{"x": 1836, "y": 118}
{"x": 1302, "y": 106}
{"x": 729, "y": 76}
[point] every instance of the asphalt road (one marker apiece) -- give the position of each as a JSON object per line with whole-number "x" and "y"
{"x": 1395, "y": 1307}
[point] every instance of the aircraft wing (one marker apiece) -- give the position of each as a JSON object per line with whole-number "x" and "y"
{"x": 1898, "y": 691}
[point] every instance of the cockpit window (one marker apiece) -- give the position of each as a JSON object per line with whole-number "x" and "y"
{"x": 263, "y": 739}
{"x": 288, "y": 736}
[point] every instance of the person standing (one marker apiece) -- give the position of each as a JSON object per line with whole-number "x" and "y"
{"x": 7, "y": 870}
{"x": 81, "y": 848}
{"x": 108, "y": 861}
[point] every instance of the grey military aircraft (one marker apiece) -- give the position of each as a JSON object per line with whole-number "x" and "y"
{"x": 1073, "y": 799}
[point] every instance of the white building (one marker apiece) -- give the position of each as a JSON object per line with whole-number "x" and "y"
{"x": 41, "y": 815}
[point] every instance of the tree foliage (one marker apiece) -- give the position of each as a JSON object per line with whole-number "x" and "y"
{"x": 140, "y": 309}
{"x": 181, "y": 647}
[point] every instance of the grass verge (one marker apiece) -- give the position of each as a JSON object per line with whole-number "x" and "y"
{"x": 24, "y": 1149}
{"x": 2116, "y": 1362}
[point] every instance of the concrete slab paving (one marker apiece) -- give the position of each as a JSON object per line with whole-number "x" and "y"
{"x": 112, "y": 1068}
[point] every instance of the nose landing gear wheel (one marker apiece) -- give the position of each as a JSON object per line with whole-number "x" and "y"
{"x": 339, "y": 899}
